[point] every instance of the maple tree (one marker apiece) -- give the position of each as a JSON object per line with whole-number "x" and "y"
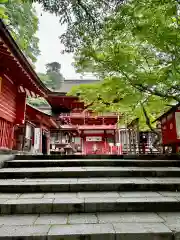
{"x": 137, "y": 57}
{"x": 22, "y": 22}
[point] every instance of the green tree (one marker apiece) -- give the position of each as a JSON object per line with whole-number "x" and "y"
{"x": 39, "y": 102}
{"x": 53, "y": 67}
{"x": 22, "y": 22}
{"x": 52, "y": 79}
{"x": 82, "y": 17}
{"x": 137, "y": 55}
{"x": 3, "y": 9}
{"x": 55, "y": 77}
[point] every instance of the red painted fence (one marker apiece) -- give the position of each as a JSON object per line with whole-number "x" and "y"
{"x": 6, "y": 134}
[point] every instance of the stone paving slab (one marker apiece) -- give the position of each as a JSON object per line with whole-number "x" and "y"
{"x": 133, "y": 226}
{"x": 69, "y": 205}
{"x": 89, "y": 195}
{"x": 154, "y": 168}
{"x": 82, "y": 218}
{"x": 163, "y": 178}
{"x": 21, "y": 219}
{"x": 9, "y": 195}
{"x": 141, "y": 228}
{"x": 147, "y": 199}
{"x": 139, "y": 194}
{"x": 50, "y": 180}
{"x": 106, "y": 168}
{"x": 31, "y": 195}
{"x": 82, "y": 231}
{"x": 98, "y": 195}
{"x": 170, "y": 217}
{"x": 114, "y": 231}
{"x": 142, "y": 231}
{"x": 93, "y": 179}
{"x": 78, "y": 218}
{"x": 25, "y": 232}
{"x": 118, "y": 231}
{"x": 98, "y": 168}
{"x": 129, "y": 217}
{"x": 170, "y": 194}
{"x": 82, "y": 195}
{"x": 52, "y": 219}
{"x": 23, "y": 170}
{"x": 60, "y": 195}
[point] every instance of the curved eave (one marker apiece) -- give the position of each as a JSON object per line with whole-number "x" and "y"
{"x": 60, "y": 100}
{"x": 172, "y": 109}
{"x": 35, "y": 114}
{"x": 10, "y": 51}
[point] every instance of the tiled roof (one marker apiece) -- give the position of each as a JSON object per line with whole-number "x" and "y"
{"x": 68, "y": 84}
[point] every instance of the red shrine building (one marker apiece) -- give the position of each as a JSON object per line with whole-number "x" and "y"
{"x": 81, "y": 130}
{"x": 68, "y": 127}
{"x": 169, "y": 123}
{"x": 22, "y": 127}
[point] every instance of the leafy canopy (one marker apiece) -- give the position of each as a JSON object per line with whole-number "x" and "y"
{"x": 54, "y": 75}
{"x": 137, "y": 54}
{"x": 22, "y": 22}
{"x": 52, "y": 79}
{"x": 83, "y": 17}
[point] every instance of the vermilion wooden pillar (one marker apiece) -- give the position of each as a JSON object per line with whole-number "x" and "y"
{"x": 11, "y": 140}
{"x": 20, "y": 108}
{"x": 41, "y": 128}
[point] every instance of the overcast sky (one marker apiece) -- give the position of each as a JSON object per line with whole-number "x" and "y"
{"x": 50, "y": 47}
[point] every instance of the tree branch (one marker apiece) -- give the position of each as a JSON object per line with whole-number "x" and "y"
{"x": 88, "y": 14}
{"x": 148, "y": 122}
{"x": 155, "y": 92}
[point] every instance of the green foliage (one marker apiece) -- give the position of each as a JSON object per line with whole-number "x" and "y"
{"x": 55, "y": 77}
{"x": 82, "y": 17}
{"x": 53, "y": 67}
{"x": 3, "y": 9}
{"x": 112, "y": 95}
{"x": 56, "y": 80}
{"x": 52, "y": 79}
{"x": 22, "y": 22}
{"x": 137, "y": 54}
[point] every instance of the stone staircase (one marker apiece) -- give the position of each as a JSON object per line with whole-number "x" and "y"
{"x": 89, "y": 199}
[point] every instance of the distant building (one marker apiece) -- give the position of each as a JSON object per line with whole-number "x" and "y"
{"x": 68, "y": 84}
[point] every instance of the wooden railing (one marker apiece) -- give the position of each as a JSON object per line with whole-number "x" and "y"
{"x": 87, "y": 114}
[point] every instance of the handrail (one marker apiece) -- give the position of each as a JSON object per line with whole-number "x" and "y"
{"x": 87, "y": 114}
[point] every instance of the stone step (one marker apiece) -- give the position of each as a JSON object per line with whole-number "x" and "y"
{"x": 88, "y": 205}
{"x": 92, "y": 226}
{"x": 88, "y": 184}
{"x": 113, "y": 194}
{"x": 82, "y": 172}
{"x": 94, "y": 162}
{"x": 92, "y": 157}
